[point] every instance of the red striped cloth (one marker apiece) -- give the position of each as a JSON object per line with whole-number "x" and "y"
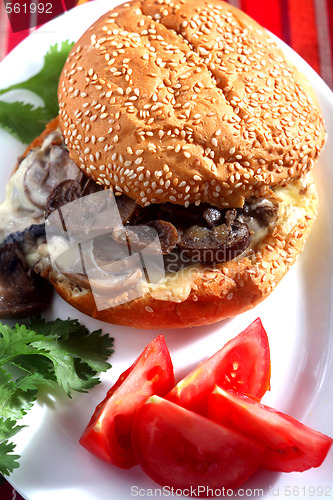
{"x": 305, "y": 25}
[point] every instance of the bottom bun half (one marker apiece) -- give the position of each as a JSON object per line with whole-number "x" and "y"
{"x": 200, "y": 295}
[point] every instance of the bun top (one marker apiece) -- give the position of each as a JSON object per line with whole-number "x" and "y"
{"x": 186, "y": 101}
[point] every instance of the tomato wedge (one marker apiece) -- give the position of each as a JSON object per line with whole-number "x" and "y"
{"x": 290, "y": 445}
{"x": 242, "y": 365}
{"x": 178, "y": 448}
{"x": 108, "y": 434}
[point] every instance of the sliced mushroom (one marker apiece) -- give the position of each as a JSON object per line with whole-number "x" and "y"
{"x": 230, "y": 217}
{"x": 136, "y": 238}
{"x": 264, "y": 210}
{"x": 144, "y": 236}
{"x": 105, "y": 249}
{"x": 46, "y": 172}
{"x": 66, "y": 192}
{"x": 107, "y": 278}
{"x": 128, "y": 208}
{"x": 212, "y": 216}
{"x": 167, "y": 233}
{"x": 218, "y": 244}
{"x": 22, "y": 291}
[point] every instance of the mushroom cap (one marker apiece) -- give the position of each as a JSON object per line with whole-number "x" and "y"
{"x": 186, "y": 102}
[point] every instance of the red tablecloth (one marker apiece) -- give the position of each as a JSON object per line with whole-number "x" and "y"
{"x": 305, "y": 25}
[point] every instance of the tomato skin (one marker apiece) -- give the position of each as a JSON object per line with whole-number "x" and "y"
{"x": 243, "y": 365}
{"x": 108, "y": 434}
{"x": 178, "y": 448}
{"x": 290, "y": 445}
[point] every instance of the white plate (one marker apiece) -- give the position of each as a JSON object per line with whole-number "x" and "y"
{"x": 297, "y": 317}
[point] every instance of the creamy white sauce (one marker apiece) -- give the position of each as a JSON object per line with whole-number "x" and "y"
{"x": 17, "y": 212}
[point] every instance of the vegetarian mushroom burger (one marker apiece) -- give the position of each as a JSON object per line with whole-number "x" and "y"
{"x": 191, "y": 115}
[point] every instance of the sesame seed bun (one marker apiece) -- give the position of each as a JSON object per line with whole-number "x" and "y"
{"x": 192, "y": 102}
{"x": 203, "y": 295}
{"x": 186, "y": 102}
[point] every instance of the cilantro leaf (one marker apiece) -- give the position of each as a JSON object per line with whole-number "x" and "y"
{"x": 64, "y": 367}
{"x": 23, "y": 121}
{"x": 8, "y": 461}
{"x": 40, "y": 353}
{"x": 59, "y": 328}
{"x": 45, "y": 83}
{"x": 92, "y": 348}
{"x": 15, "y": 398}
{"x": 8, "y": 428}
{"x": 15, "y": 341}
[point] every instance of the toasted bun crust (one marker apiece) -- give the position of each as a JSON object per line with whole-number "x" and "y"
{"x": 38, "y": 141}
{"x": 215, "y": 294}
{"x": 185, "y": 102}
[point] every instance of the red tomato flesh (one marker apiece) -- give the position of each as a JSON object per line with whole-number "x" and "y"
{"x": 178, "y": 448}
{"x": 290, "y": 445}
{"x": 242, "y": 365}
{"x": 108, "y": 434}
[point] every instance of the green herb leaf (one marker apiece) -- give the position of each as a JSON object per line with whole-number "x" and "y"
{"x": 8, "y": 461}
{"x": 45, "y": 83}
{"x": 64, "y": 367}
{"x": 16, "y": 341}
{"x": 15, "y": 400}
{"x": 8, "y": 428}
{"x": 93, "y": 348}
{"x": 23, "y": 121}
{"x": 39, "y": 354}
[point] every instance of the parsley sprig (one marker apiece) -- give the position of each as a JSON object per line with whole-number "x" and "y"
{"x": 60, "y": 352}
{"x": 23, "y": 120}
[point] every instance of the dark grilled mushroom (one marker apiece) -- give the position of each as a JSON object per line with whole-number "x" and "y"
{"x": 128, "y": 208}
{"x": 28, "y": 236}
{"x": 167, "y": 234}
{"x": 218, "y": 244}
{"x": 143, "y": 236}
{"x": 212, "y": 216}
{"x": 264, "y": 210}
{"x": 65, "y": 192}
{"x": 136, "y": 238}
{"x": 22, "y": 291}
{"x": 230, "y": 217}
